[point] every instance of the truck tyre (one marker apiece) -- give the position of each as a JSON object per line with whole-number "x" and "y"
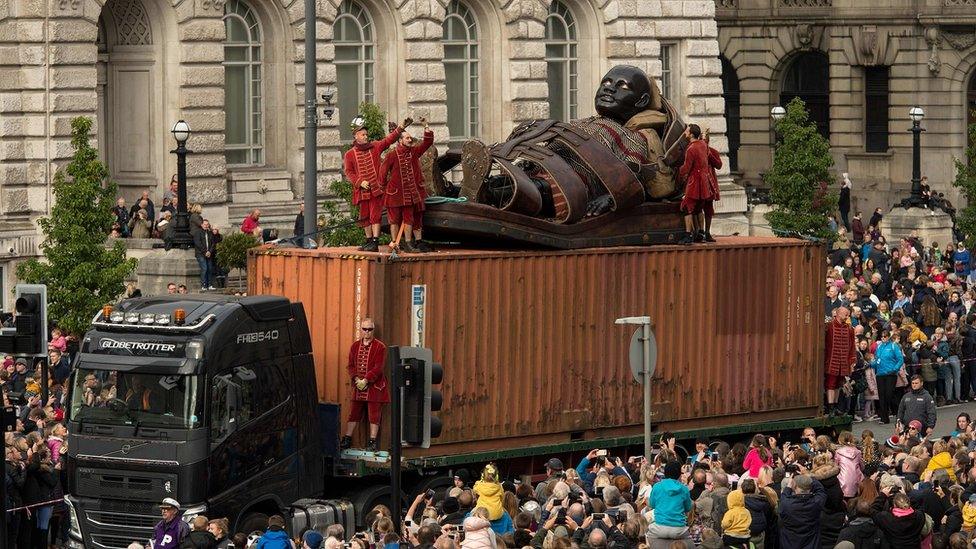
{"x": 252, "y": 522}
{"x": 364, "y": 500}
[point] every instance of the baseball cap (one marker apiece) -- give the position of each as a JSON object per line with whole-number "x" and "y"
{"x": 170, "y": 502}
{"x": 555, "y": 464}
{"x": 312, "y": 539}
{"x": 915, "y": 424}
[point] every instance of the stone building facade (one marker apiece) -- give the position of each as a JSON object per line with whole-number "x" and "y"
{"x": 861, "y": 65}
{"x": 233, "y": 70}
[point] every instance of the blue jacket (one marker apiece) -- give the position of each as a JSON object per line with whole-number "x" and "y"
{"x": 671, "y": 502}
{"x": 799, "y": 517}
{"x": 888, "y": 358}
{"x": 275, "y": 539}
{"x": 962, "y": 257}
{"x": 587, "y": 477}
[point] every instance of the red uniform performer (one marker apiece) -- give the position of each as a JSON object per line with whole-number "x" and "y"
{"x": 404, "y": 189}
{"x": 367, "y": 360}
{"x": 839, "y": 356}
{"x": 701, "y": 184}
{"x": 362, "y": 167}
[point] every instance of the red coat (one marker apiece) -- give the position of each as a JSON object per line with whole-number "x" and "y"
{"x": 698, "y": 171}
{"x": 369, "y": 362}
{"x": 403, "y": 182}
{"x": 840, "y": 351}
{"x": 362, "y": 163}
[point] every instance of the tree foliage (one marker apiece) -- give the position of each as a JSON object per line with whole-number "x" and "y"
{"x": 341, "y": 210}
{"x": 232, "y": 250}
{"x": 966, "y": 182}
{"x": 800, "y": 177}
{"x": 80, "y": 272}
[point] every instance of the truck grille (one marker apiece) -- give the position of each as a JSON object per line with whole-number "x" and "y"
{"x": 141, "y": 486}
{"x": 115, "y": 525}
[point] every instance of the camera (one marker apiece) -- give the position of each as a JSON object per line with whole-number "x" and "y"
{"x": 792, "y": 469}
{"x": 429, "y": 494}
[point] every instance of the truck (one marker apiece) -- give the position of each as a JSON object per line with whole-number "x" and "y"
{"x": 233, "y": 405}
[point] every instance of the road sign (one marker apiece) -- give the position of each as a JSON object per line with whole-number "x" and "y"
{"x": 637, "y": 354}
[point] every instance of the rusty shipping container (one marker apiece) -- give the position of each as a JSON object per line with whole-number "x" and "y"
{"x": 530, "y": 348}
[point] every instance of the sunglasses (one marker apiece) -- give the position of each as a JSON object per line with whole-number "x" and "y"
{"x": 366, "y": 329}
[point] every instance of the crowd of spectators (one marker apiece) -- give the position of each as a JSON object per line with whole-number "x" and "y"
{"x": 905, "y": 492}
{"x": 911, "y": 306}
{"x": 36, "y": 513}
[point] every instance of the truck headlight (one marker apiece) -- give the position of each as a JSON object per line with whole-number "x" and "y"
{"x": 74, "y": 531}
{"x": 191, "y": 513}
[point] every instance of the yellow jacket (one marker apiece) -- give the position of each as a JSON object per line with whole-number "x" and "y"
{"x": 737, "y": 519}
{"x": 968, "y": 517}
{"x": 490, "y": 497}
{"x": 941, "y": 460}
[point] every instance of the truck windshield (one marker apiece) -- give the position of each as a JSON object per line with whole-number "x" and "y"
{"x": 144, "y": 400}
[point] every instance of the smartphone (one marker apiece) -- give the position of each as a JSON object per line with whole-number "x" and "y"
{"x": 599, "y": 491}
{"x": 597, "y": 517}
{"x": 690, "y": 460}
{"x": 601, "y": 452}
{"x": 638, "y": 458}
{"x": 561, "y": 516}
{"x": 429, "y": 494}
{"x": 714, "y": 456}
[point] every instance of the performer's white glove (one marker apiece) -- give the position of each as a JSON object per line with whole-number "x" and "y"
{"x": 361, "y": 384}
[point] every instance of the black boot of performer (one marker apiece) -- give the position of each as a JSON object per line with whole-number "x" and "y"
{"x": 371, "y": 245}
{"x": 373, "y": 445}
{"x": 345, "y": 443}
{"x": 688, "y": 238}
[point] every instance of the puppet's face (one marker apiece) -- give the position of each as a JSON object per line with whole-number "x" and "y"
{"x": 623, "y": 92}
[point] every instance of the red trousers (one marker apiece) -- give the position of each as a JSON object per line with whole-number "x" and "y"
{"x": 411, "y": 214}
{"x": 691, "y": 206}
{"x": 375, "y": 409}
{"x": 371, "y": 211}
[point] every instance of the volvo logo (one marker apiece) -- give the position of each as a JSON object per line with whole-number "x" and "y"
{"x": 168, "y": 486}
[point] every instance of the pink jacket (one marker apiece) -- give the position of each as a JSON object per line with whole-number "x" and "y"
{"x": 753, "y": 463}
{"x": 848, "y": 458}
{"x": 478, "y": 534}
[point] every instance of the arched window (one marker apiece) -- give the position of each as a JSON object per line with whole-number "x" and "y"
{"x": 461, "y": 71}
{"x": 244, "y": 127}
{"x": 562, "y": 60}
{"x": 808, "y": 77}
{"x": 352, "y": 35}
{"x": 730, "y": 92}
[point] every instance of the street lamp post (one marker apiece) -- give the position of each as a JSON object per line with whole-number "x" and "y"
{"x": 181, "y": 228}
{"x": 916, "y": 200}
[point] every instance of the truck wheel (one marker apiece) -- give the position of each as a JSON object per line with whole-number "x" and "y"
{"x": 252, "y": 522}
{"x": 370, "y": 497}
{"x": 440, "y": 485}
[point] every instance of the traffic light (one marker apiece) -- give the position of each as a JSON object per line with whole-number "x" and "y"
{"x": 30, "y": 335}
{"x": 420, "y": 399}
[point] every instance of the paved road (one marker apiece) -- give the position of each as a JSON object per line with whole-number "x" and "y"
{"x": 946, "y": 421}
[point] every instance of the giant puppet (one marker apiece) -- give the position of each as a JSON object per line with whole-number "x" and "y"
{"x": 602, "y": 180}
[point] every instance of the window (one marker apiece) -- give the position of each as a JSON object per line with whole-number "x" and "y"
{"x": 669, "y": 75}
{"x": 808, "y": 77}
{"x": 244, "y": 130}
{"x": 562, "y": 62}
{"x": 730, "y": 92}
{"x": 354, "y": 59}
{"x": 876, "y": 109}
{"x": 242, "y": 394}
{"x": 461, "y": 71}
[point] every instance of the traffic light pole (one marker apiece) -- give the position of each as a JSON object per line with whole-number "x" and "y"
{"x": 396, "y": 446}
{"x": 45, "y": 379}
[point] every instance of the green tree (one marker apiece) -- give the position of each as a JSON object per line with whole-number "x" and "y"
{"x": 80, "y": 272}
{"x": 966, "y": 182}
{"x": 799, "y": 178}
{"x": 341, "y": 211}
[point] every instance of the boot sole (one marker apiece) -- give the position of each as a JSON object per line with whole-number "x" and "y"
{"x": 475, "y": 162}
